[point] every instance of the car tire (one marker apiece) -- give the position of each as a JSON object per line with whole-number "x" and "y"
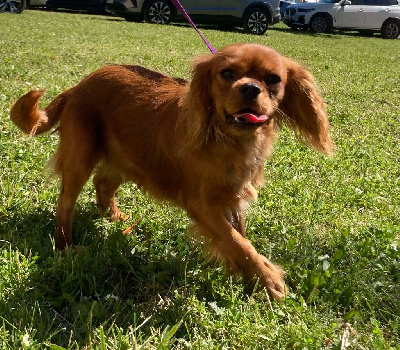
{"x": 256, "y": 21}
{"x": 12, "y": 6}
{"x": 320, "y": 23}
{"x": 390, "y": 29}
{"x": 158, "y": 11}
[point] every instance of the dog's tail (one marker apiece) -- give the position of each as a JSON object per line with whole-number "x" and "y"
{"x": 30, "y": 119}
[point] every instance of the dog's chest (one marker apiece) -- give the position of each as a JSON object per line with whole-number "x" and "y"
{"x": 242, "y": 165}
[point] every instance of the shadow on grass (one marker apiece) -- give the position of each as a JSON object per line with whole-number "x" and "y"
{"x": 34, "y": 230}
{"x": 336, "y": 34}
{"x": 112, "y": 280}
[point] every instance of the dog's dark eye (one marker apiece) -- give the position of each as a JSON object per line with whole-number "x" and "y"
{"x": 272, "y": 80}
{"x": 228, "y": 74}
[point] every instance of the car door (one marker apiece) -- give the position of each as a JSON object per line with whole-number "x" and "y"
{"x": 233, "y": 8}
{"x": 203, "y": 7}
{"x": 376, "y": 12}
{"x": 76, "y": 3}
{"x": 351, "y": 15}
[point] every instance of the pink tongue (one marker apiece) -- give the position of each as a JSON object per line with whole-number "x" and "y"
{"x": 252, "y": 118}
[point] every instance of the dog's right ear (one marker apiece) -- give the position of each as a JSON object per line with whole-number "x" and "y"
{"x": 200, "y": 101}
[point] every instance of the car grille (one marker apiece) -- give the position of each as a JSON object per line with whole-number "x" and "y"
{"x": 290, "y": 12}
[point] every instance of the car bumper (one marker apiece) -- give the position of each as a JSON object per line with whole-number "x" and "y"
{"x": 38, "y": 2}
{"x": 299, "y": 21}
{"x": 276, "y": 19}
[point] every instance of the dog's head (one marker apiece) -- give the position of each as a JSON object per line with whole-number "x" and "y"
{"x": 243, "y": 87}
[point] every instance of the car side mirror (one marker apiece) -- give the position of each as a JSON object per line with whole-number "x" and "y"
{"x": 346, "y": 2}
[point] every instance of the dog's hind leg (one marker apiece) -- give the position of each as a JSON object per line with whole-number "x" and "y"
{"x": 106, "y": 185}
{"x": 73, "y": 180}
{"x": 75, "y": 159}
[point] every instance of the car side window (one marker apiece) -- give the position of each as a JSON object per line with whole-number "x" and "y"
{"x": 358, "y": 2}
{"x": 381, "y": 2}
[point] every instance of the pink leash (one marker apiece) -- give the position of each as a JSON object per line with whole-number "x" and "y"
{"x": 182, "y": 10}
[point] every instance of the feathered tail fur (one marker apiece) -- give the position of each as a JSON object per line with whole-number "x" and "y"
{"x": 26, "y": 114}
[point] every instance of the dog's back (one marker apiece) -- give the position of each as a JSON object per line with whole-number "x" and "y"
{"x": 124, "y": 116}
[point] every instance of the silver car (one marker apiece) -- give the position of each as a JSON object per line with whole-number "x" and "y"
{"x": 254, "y": 16}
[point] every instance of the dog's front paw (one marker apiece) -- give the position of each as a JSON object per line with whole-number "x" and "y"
{"x": 269, "y": 276}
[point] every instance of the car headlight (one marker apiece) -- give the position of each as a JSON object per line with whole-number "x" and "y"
{"x": 305, "y": 10}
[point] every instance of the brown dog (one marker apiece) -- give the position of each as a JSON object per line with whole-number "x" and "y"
{"x": 198, "y": 144}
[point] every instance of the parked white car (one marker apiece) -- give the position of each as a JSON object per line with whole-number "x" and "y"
{"x": 363, "y": 15}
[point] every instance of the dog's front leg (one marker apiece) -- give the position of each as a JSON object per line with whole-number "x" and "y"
{"x": 235, "y": 249}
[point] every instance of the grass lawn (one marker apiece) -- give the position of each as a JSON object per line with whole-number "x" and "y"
{"x": 331, "y": 223}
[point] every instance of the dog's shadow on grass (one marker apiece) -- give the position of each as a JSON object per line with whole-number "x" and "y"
{"x": 110, "y": 279}
{"x": 34, "y": 229}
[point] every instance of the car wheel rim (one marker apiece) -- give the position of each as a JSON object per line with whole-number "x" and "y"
{"x": 392, "y": 31}
{"x": 159, "y": 13}
{"x": 319, "y": 25}
{"x": 257, "y": 22}
{"x": 9, "y": 6}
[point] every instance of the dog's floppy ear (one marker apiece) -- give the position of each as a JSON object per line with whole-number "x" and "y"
{"x": 304, "y": 108}
{"x": 200, "y": 101}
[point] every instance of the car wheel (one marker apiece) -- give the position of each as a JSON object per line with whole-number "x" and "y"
{"x": 390, "y": 29}
{"x": 320, "y": 24}
{"x": 15, "y": 6}
{"x": 256, "y": 21}
{"x": 158, "y": 11}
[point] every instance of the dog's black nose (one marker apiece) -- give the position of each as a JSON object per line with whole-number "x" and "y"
{"x": 250, "y": 91}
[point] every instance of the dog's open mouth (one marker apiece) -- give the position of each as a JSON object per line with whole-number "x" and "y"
{"x": 246, "y": 117}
